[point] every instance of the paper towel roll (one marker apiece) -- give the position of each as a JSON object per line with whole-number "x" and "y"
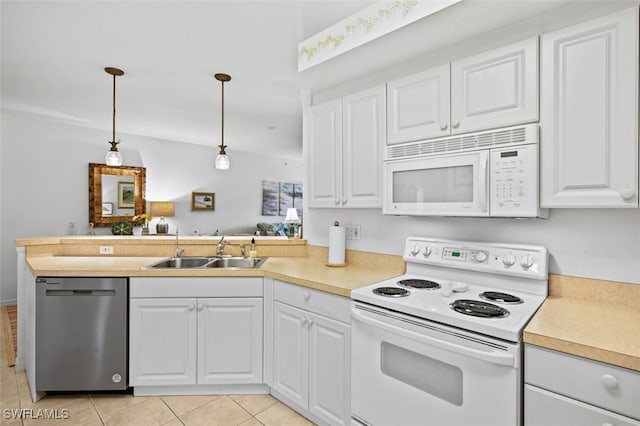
{"x": 336, "y": 245}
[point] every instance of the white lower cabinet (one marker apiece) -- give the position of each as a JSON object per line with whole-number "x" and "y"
{"x": 565, "y": 390}
{"x": 311, "y": 370}
{"x": 194, "y": 340}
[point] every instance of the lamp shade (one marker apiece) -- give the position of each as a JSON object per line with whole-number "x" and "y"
{"x": 292, "y": 216}
{"x": 162, "y": 208}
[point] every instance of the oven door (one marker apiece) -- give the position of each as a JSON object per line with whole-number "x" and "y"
{"x": 406, "y": 371}
{"x": 444, "y": 185}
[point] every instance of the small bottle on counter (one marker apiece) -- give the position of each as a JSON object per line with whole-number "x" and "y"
{"x": 253, "y": 253}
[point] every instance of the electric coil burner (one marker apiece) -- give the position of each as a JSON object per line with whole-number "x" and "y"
{"x": 418, "y": 283}
{"x": 476, "y": 308}
{"x": 391, "y": 291}
{"x": 496, "y": 296}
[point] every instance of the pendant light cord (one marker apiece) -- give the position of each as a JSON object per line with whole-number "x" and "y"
{"x": 114, "y": 110}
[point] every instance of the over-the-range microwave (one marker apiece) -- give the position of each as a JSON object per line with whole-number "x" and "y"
{"x": 485, "y": 174}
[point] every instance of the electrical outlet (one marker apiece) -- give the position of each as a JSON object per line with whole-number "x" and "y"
{"x": 348, "y": 231}
{"x": 356, "y": 232}
{"x": 106, "y": 249}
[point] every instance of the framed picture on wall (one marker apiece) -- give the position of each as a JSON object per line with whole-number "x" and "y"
{"x": 203, "y": 201}
{"x": 126, "y": 195}
{"x": 107, "y": 209}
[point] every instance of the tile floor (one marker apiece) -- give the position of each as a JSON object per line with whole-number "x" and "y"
{"x": 117, "y": 410}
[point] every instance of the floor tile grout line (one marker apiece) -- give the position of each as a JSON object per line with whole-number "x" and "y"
{"x": 170, "y": 409}
{"x": 97, "y": 411}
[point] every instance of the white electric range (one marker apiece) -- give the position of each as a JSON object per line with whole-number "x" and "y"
{"x": 443, "y": 341}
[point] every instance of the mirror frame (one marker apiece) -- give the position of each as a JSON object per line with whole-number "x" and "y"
{"x": 95, "y": 191}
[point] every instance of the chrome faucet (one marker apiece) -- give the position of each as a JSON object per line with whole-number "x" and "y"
{"x": 179, "y": 252}
{"x": 220, "y": 247}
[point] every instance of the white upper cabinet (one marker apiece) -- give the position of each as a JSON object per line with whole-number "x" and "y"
{"x": 344, "y": 150}
{"x": 418, "y": 106}
{"x": 495, "y": 88}
{"x": 324, "y": 154}
{"x": 492, "y": 89}
{"x": 589, "y": 114}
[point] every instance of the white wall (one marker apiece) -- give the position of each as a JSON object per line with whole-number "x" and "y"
{"x": 44, "y": 178}
{"x": 594, "y": 243}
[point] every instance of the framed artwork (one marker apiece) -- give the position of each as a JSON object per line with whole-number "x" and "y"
{"x": 270, "y": 196}
{"x": 203, "y": 201}
{"x": 107, "y": 209}
{"x": 126, "y": 195}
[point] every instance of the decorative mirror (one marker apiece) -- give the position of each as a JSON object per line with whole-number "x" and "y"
{"x": 115, "y": 193}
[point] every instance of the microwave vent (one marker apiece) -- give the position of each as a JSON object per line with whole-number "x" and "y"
{"x": 469, "y": 142}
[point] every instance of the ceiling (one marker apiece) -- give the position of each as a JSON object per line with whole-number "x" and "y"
{"x": 54, "y": 54}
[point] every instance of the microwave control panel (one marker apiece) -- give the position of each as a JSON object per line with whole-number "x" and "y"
{"x": 514, "y": 181}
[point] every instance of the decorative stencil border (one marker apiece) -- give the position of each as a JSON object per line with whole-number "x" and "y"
{"x": 368, "y": 24}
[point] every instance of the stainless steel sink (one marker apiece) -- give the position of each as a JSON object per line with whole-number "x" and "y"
{"x": 222, "y": 262}
{"x": 237, "y": 262}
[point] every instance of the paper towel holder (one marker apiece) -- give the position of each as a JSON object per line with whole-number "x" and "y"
{"x": 335, "y": 265}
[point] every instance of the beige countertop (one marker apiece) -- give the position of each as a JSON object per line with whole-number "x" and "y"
{"x": 597, "y": 320}
{"x": 305, "y": 271}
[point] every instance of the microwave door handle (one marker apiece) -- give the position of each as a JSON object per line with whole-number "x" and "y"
{"x": 494, "y": 357}
{"x": 484, "y": 171}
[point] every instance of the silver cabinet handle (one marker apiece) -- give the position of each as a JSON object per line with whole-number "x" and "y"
{"x": 191, "y": 307}
{"x": 444, "y": 126}
{"x": 455, "y": 124}
{"x": 200, "y": 306}
{"x": 337, "y": 202}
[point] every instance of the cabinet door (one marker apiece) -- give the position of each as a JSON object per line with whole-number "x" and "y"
{"x": 290, "y": 353}
{"x": 364, "y": 125}
{"x": 324, "y": 154}
{"x": 329, "y": 369}
{"x": 589, "y": 115}
{"x": 230, "y": 340}
{"x": 162, "y": 342}
{"x": 418, "y": 106}
{"x": 495, "y": 88}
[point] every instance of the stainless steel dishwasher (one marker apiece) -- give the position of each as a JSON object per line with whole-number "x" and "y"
{"x": 81, "y": 334}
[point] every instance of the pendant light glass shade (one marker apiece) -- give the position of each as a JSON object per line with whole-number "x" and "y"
{"x": 113, "y": 157}
{"x": 222, "y": 160}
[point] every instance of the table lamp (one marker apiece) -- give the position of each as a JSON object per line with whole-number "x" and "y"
{"x": 292, "y": 218}
{"x": 162, "y": 209}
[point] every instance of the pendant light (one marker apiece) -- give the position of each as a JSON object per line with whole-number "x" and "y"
{"x": 222, "y": 160}
{"x": 113, "y": 157}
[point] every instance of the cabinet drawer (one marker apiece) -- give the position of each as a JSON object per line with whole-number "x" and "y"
{"x": 544, "y": 408}
{"x": 320, "y": 302}
{"x": 612, "y": 388}
{"x": 195, "y": 287}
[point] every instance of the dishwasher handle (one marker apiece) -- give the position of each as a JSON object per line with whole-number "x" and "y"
{"x": 80, "y": 293}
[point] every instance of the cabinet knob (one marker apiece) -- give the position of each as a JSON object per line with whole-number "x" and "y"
{"x": 337, "y": 202}
{"x": 609, "y": 381}
{"x": 191, "y": 307}
{"x": 344, "y": 201}
{"x": 455, "y": 124}
{"x": 309, "y": 322}
{"x": 627, "y": 193}
{"x": 200, "y": 306}
{"x": 307, "y": 295}
{"x": 444, "y": 126}
{"x": 303, "y": 320}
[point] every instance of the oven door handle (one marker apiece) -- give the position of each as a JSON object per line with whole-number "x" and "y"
{"x": 494, "y": 357}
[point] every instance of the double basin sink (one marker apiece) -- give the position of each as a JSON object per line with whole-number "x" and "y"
{"x": 217, "y": 262}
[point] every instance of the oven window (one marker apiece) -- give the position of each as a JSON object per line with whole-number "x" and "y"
{"x": 437, "y": 185}
{"x": 430, "y": 375}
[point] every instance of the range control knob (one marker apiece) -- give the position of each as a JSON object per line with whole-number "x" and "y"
{"x": 526, "y": 261}
{"x": 508, "y": 260}
{"x": 480, "y": 256}
{"x": 416, "y": 249}
{"x": 427, "y": 251}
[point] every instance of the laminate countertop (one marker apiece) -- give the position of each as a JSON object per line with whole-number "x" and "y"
{"x": 593, "y": 319}
{"x": 305, "y": 271}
